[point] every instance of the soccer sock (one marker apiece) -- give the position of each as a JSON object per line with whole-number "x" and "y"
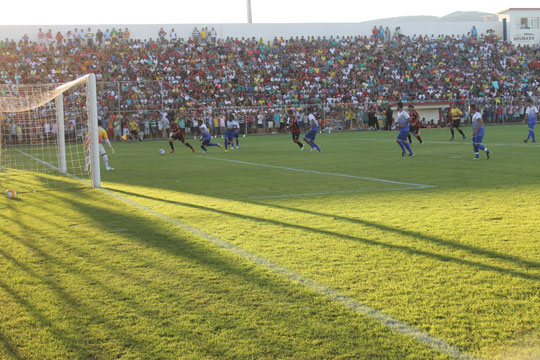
{"x": 408, "y": 146}
{"x": 461, "y": 132}
{"x": 419, "y": 138}
{"x": 317, "y": 147}
{"x": 212, "y": 144}
{"x": 172, "y": 146}
{"x": 452, "y": 131}
{"x": 300, "y": 145}
{"x": 87, "y": 162}
{"x": 409, "y": 136}
{"x": 203, "y": 147}
{"x": 236, "y": 142}
{"x": 482, "y": 147}
{"x": 106, "y": 160}
{"x": 532, "y": 135}
{"x": 475, "y": 147}
{"x": 188, "y": 145}
{"x": 400, "y": 143}
{"x": 310, "y": 144}
{"x": 226, "y": 144}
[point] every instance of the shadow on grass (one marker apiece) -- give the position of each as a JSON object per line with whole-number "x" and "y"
{"x": 475, "y": 250}
{"x": 150, "y": 232}
{"x": 394, "y": 247}
{"x": 11, "y": 349}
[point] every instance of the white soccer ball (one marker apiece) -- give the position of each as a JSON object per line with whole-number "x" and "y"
{"x": 11, "y": 194}
{"x": 162, "y": 151}
{"x": 244, "y": 135}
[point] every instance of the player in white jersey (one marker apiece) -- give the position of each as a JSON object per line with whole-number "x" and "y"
{"x": 478, "y": 132}
{"x": 309, "y": 138}
{"x": 530, "y": 117}
{"x": 206, "y": 137}
{"x": 236, "y": 132}
{"x": 229, "y": 132}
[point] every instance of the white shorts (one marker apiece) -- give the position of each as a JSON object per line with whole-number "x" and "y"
{"x": 101, "y": 150}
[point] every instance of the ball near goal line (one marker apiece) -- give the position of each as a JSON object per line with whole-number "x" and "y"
{"x": 11, "y": 194}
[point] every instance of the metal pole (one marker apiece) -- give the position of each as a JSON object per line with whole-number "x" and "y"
{"x": 60, "y": 133}
{"x": 93, "y": 130}
{"x": 249, "y": 19}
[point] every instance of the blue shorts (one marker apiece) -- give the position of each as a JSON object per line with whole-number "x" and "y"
{"x": 531, "y": 124}
{"x": 311, "y": 135}
{"x": 477, "y": 139}
{"x": 403, "y": 135}
{"x": 206, "y": 140}
{"x": 229, "y": 134}
{"x": 236, "y": 133}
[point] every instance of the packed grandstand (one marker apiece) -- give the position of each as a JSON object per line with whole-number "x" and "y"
{"x": 345, "y": 76}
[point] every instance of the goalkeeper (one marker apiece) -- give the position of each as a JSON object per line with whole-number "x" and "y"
{"x": 102, "y": 136}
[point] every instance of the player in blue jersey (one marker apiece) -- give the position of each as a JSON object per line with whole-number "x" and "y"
{"x": 236, "y": 131}
{"x": 229, "y": 133}
{"x": 310, "y": 136}
{"x": 478, "y": 132}
{"x": 530, "y": 117}
{"x": 206, "y": 137}
{"x": 404, "y": 128}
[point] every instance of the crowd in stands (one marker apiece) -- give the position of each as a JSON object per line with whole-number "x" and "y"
{"x": 206, "y": 76}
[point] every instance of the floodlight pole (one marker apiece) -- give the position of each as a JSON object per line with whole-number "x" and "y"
{"x": 249, "y": 20}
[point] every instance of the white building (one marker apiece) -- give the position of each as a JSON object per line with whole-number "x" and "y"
{"x": 522, "y": 25}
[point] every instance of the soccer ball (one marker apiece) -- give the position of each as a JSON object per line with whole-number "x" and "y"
{"x": 162, "y": 151}
{"x": 11, "y": 194}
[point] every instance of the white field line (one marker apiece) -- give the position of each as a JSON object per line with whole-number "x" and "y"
{"x": 319, "y": 172}
{"x": 283, "y": 196}
{"x": 391, "y": 323}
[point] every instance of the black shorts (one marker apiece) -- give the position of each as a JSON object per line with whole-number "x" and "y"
{"x": 295, "y": 136}
{"x": 134, "y": 132}
{"x": 456, "y": 123}
{"x": 415, "y": 130}
{"x": 178, "y": 137}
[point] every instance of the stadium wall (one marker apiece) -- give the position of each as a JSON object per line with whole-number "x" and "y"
{"x": 267, "y": 31}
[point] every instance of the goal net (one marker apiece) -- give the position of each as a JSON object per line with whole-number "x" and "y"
{"x": 44, "y": 141}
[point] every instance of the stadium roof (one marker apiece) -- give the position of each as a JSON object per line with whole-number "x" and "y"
{"x": 513, "y": 9}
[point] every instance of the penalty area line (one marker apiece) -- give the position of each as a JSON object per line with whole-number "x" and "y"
{"x": 284, "y": 196}
{"x": 392, "y": 324}
{"x": 319, "y": 172}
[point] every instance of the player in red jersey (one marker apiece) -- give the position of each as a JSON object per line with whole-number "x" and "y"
{"x": 294, "y": 128}
{"x": 415, "y": 125}
{"x": 177, "y": 134}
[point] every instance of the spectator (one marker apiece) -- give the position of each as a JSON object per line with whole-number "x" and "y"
{"x": 172, "y": 36}
{"x": 474, "y": 32}
{"x": 162, "y": 35}
{"x": 196, "y": 35}
{"x": 89, "y": 37}
{"x": 41, "y": 37}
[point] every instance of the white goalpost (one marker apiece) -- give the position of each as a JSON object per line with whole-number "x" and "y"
{"x": 46, "y": 136}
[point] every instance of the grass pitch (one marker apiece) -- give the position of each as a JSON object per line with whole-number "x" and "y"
{"x": 440, "y": 242}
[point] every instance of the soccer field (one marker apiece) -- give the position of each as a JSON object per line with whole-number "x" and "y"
{"x": 266, "y": 252}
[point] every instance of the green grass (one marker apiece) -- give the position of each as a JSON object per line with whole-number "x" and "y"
{"x": 86, "y": 275}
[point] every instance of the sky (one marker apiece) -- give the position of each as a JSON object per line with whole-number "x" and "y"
{"x": 69, "y": 12}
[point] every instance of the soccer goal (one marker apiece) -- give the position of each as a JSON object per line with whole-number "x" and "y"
{"x": 44, "y": 136}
